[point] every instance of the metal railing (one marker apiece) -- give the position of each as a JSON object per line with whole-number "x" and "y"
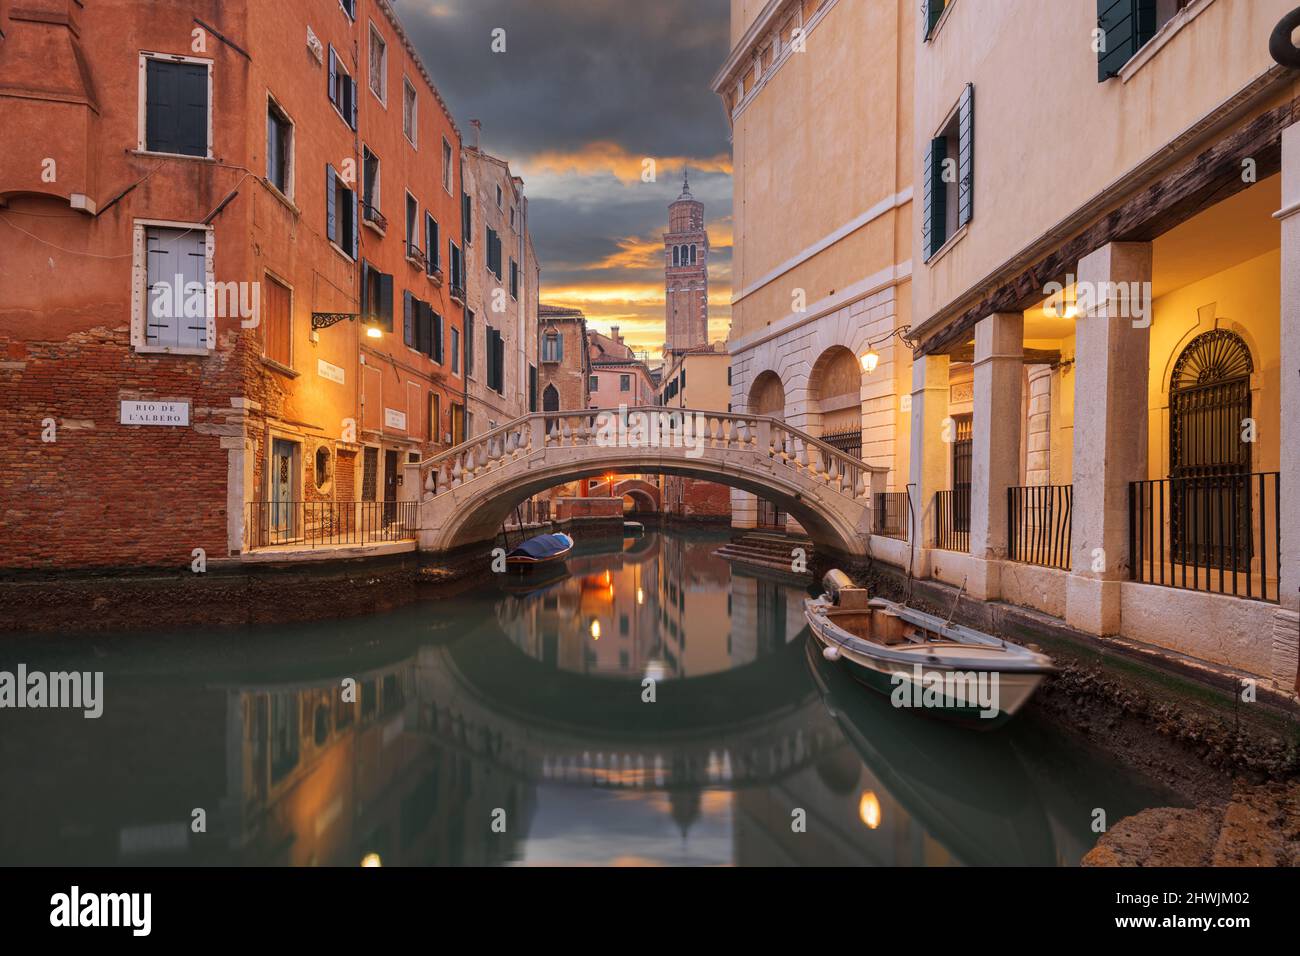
{"x": 892, "y": 515}
{"x": 1039, "y": 520}
{"x": 321, "y": 523}
{"x": 849, "y": 442}
{"x": 1217, "y": 534}
{"x": 952, "y": 520}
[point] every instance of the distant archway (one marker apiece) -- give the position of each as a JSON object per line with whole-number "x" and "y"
{"x": 767, "y": 396}
{"x": 835, "y": 399}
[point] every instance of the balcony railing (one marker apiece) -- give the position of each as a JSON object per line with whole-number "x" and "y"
{"x": 415, "y": 256}
{"x": 1217, "y": 534}
{"x": 313, "y": 524}
{"x": 892, "y": 516}
{"x": 372, "y": 214}
{"x": 1038, "y": 518}
{"x": 952, "y": 519}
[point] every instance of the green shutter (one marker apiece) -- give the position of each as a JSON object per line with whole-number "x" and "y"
{"x": 966, "y": 156}
{"x": 935, "y": 214}
{"x": 1126, "y": 26}
{"x": 933, "y": 11}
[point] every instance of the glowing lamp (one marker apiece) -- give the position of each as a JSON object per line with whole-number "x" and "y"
{"x": 371, "y": 859}
{"x": 595, "y": 630}
{"x": 374, "y": 331}
{"x": 870, "y": 361}
{"x": 869, "y": 810}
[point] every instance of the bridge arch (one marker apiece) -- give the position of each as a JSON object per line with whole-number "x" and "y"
{"x": 470, "y": 489}
{"x": 644, "y": 493}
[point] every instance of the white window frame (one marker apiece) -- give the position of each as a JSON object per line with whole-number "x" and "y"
{"x": 338, "y": 63}
{"x": 140, "y": 281}
{"x": 414, "y": 137}
{"x": 409, "y": 239}
{"x": 448, "y": 176}
{"x": 350, "y": 14}
{"x": 142, "y": 109}
{"x": 376, "y": 34}
{"x": 379, "y": 187}
{"x": 271, "y": 101}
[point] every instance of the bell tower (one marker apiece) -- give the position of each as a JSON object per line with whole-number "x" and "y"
{"x": 686, "y": 274}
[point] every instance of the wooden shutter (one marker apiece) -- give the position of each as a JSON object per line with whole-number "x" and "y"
{"x": 933, "y": 11}
{"x": 386, "y": 300}
{"x": 356, "y": 225}
{"x": 436, "y": 323}
{"x": 501, "y": 364}
{"x": 408, "y": 319}
{"x": 1126, "y": 25}
{"x": 367, "y": 307}
{"x": 176, "y": 108}
{"x": 333, "y": 90}
{"x": 162, "y": 257}
{"x": 331, "y": 205}
{"x": 966, "y": 156}
{"x": 276, "y": 321}
{"x": 935, "y": 213}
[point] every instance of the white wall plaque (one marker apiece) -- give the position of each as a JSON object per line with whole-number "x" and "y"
{"x": 176, "y": 414}
{"x": 395, "y": 419}
{"x": 332, "y": 372}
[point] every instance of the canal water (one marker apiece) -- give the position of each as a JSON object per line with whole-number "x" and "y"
{"x": 511, "y": 725}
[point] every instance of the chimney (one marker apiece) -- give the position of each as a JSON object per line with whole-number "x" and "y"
{"x": 477, "y": 131}
{"x": 613, "y": 334}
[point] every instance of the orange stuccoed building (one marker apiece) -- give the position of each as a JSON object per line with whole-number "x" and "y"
{"x": 231, "y": 279}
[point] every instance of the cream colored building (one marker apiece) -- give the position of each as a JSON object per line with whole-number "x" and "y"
{"x": 1118, "y": 255}
{"x": 503, "y": 284}
{"x": 819, "y": 95}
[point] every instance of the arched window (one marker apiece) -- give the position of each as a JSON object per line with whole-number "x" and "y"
{"x": 692, "y": 253}
{"x": 550, "y": 399}
{"x": 677, "y": 255}
{"x": 1209, "y": 401}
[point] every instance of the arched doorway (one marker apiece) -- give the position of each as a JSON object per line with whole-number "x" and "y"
{"x": 835, "y": 388}
{"x": 767, "y": 397}
{"x": 1209, "y": 403}
{"x": 550, "y": 399}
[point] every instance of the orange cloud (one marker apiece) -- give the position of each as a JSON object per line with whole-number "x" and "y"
{"x": 607, "y": 156}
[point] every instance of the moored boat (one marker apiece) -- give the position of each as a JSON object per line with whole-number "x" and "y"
{"x": 542, "y": 550}
{"x": 633, "y": 528}
{"x": 920, "y": 661}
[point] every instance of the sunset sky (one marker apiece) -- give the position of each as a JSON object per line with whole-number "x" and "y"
{"x": 584, "y": 93}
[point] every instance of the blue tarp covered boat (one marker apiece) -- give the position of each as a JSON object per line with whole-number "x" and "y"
{"x": 543, "y": 549}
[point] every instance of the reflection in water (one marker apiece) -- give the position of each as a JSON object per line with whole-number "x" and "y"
{"x": 522, "y": 703}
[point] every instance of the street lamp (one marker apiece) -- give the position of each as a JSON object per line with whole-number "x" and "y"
{"x": 871, "y": 358}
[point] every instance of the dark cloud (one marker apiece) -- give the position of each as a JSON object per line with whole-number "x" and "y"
{"x": 584, "y": 92}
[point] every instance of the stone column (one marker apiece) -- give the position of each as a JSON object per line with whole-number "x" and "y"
{"x": 1112, "y": 361}
{"x": 1038, "y": 447}
{"x": 929, "y": 451}
{"x": 1287, "y": 624}
{"x": 995, "y": 458}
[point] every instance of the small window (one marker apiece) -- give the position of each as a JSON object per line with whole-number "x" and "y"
{"x": 378, "y": 65}
{"x": 625, "y": 383}
{"x": 949, "y": 177}
{"x": 446, "y": 165}
{"x": 323, "y": 468}
{"x": 342, "y": 90}
{"x": 276, "y": 322}
{"x": 376, "y": 296}
{"x": 469, "y": 341}
{"x": 512, "y": 217}
{"x": 454, "y": 263}
{"x": 432, "y": 245}
{"x": 499, "y": 197}
{"x": 552, "y": 347}
{"x": 932, "y": 14}
{"x": 413, "y": 228}
{"x": 514, "y": 279}
{"x": 370, "y": 189}
{"x": 455, "y": 351}
{"x": 1126, "y": 26}
{"x": 349, "y": 7}
{"x": 409, "y": 105}
{"x": 593, "y": 383}
{"x": 340, "y": 213}
{"x": 279, "y": 149}
{"x": 177, "y": 98}
{"x": 175, "y": 312}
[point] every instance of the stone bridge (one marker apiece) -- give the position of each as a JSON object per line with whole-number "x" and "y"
{"x": 466, "y": 492}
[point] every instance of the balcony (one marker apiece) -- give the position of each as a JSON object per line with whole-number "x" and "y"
{"x": 373, "y": 217}
{"x": 1216, "y": 533}
{"x": 457, "y": 293}
{"x": 415, "y": 256}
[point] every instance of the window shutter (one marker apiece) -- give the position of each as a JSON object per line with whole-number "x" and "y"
{"x": 367, "y": 307}
{"x": 386, "y": 301}
{"x": 933, "y": 11}
{"x": 437, "y": 338}
{"x": 1126, "y": 25}
{"x": 966, "y": 156}
{"x": 933, "y": 215}
{"x": 331, "y": 205}
{"x": 333, "y": 90}
{"x": 467, "y": 218}
{"x": 162, "y": 267}
{"x": 176, "y": 118}
{"x": 351, "y": 110}
{"x": 408, "y": 320}
{"x": 356, "y": 225}
{"x": 501, "y": 364}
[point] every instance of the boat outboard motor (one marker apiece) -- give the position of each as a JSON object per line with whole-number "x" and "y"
{"x": 834, "y": 581}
